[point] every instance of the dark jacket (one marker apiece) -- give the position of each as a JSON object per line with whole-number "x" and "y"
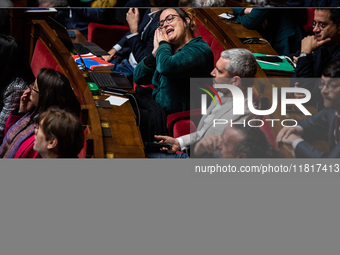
{"x": 312, "y": 66}
{"x": 316, "y": 127}
{"x": 283, "y": 29}
{"x": 139, "y": 45}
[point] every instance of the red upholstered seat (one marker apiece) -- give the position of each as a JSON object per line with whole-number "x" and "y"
{"x": 82, "y": 153}
{"x": 135, "y": 85}
{"x": 215, "y": 46}
{"x": 42, "y": 58}
{"x": 183, "y": 127}
{"x": 183, "y": 123}
{"x": 106, "y": 36}
{"x": 202, "y": 31}
{"x": 217, "y": 49}
{"x": 307, "y": 16}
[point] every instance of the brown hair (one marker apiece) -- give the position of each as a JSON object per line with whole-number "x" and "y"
{"x": 66, "y": 128}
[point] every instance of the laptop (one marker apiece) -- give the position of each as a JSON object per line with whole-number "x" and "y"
{"x": 107, "y": 80}
{"x": 82, "y": 48}
{"x": 102, "y": 80}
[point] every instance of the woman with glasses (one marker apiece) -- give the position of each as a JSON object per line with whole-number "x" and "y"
{"x": 177, "y": 56}
{"x": 51, "y": 88}
{"x": 14, "y": 73}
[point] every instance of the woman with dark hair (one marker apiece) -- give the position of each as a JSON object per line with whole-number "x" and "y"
{"x": 177, "y": 56}
{"x": 12, "y": 83}
{"x": 51, "y": 88}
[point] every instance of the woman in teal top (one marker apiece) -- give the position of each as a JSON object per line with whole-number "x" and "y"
{"x": 177, "y": 56}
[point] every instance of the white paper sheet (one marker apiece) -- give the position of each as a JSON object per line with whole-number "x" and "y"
{"x": 118, "y": 101}
{"x": 226, "y": 16}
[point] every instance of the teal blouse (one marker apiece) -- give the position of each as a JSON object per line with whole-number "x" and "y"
{"x": 171, "y": 76}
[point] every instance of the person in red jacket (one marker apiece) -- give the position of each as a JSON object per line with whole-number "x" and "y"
{"x": 51, "y": 88}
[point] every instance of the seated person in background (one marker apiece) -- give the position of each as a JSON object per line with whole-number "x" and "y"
{"x": 120, "y": 15}
{"x": 58, "y": 134}
{"x": 79, "y": 18}
{"x": 176, "y": 57}
{"x": 281, "y": 28}
{"x": 325, "y": 121}
{"x": 51, "y": 88}
{"x": 236, "y": 142}
{"x": 136, "y": 44}
{"x": 232, "y": 66}
{"x": 317, "y": 50}
{"x": 14, "y": 72}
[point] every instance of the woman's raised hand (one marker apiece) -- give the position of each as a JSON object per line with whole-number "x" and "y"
{"x": 25, "y": 102}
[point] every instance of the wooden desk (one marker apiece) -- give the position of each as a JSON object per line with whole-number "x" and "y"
{"x": 240, "y": 32}
{"x": 126, "y": 141}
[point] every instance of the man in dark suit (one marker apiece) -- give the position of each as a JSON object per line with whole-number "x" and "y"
{"x": 326, "y": 121}
{"x": 136, "y": 44}
{"x": 317, "y": 50}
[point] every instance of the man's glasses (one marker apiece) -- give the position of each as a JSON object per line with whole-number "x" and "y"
{"x": 168, "y": 20}
{"x": 32, "y": 88}
{"x": 321, "y": 25}
{"x": 330, "y": 85}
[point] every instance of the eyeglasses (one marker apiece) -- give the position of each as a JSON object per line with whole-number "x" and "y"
{"x": 330, "y": 85}
{"x": 321, "y": 25}
{"x": 32, "y": 88}
{"x": 168, "y": 19}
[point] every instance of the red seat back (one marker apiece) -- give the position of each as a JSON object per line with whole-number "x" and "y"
{"x": 183, "y": 127}
{"x": 135, "y": 85}
{"x": 183, "y": 123}
{"x": 106, "y": 36}
{"x": 307, "y": 19}
{"x": 215, "y": 46}
{"x": 42, "y": 58}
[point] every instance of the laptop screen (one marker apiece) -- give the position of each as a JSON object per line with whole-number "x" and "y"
{"x": 63, "y": 35}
